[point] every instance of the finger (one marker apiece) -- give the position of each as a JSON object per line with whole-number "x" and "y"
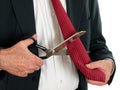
{"x": 36, "y": 61}
{"x": 30, "y": 41}
{"x": 97, "y": 64}
{"x": 35, "y": 36}
{"x": 39, "y": 62}
{"x": 33, "y": 68}
{"x": 28, "y": 72}
{"x": 96, "y": 82}
{"x": 18, "y": 73}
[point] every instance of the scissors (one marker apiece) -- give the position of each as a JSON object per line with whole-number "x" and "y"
{"x": 60, "y": 46}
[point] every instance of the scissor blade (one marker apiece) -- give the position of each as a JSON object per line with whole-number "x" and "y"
{"x": 62, "y": 44}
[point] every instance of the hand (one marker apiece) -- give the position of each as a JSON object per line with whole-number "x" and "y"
{"x": 105, "y": 66}
{"x": 18, "y": 60}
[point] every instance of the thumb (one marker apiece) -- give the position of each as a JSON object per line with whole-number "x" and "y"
{"x": 30, "y": 40}
{"x": 93, "y": 65}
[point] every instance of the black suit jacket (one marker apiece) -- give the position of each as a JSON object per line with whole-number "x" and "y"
{"x": 17, "y": 21}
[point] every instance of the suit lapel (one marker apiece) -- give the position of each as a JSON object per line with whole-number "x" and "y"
{"x": 75, "y": 9}
{"x": 25, "y": 15}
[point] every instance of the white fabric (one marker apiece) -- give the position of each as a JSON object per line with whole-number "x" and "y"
{"x": 58, "y": 71}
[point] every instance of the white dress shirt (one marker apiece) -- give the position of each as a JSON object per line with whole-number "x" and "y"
{"x": 58, "y": 71}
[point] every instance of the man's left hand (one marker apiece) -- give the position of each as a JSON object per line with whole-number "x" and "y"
{"x": 105, "y": 66}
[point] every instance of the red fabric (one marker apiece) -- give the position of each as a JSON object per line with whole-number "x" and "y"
{"x": 75, "y": 48}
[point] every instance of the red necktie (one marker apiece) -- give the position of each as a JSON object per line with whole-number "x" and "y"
{"x": 75, "y": 48}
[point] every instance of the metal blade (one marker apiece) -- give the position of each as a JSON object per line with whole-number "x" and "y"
{"x": 62, "y": 44}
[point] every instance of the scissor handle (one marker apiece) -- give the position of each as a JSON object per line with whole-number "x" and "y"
{"x": 48, "y": 52}
{"x": 41, "y": 47}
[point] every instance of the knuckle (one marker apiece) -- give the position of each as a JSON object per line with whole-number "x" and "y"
{"x": 21, "y": 42}
{"x": 40, "y": 62}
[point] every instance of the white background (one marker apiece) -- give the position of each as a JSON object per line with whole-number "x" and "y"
{"x": 110, "y": 15}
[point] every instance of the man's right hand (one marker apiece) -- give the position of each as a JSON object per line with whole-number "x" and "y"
{"x": 18, "y": 60}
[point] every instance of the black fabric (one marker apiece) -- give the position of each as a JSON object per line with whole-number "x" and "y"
{"x": 17, "y": 21}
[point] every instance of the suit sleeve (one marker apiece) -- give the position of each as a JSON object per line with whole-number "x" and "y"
{"x": 98, "y": 48}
